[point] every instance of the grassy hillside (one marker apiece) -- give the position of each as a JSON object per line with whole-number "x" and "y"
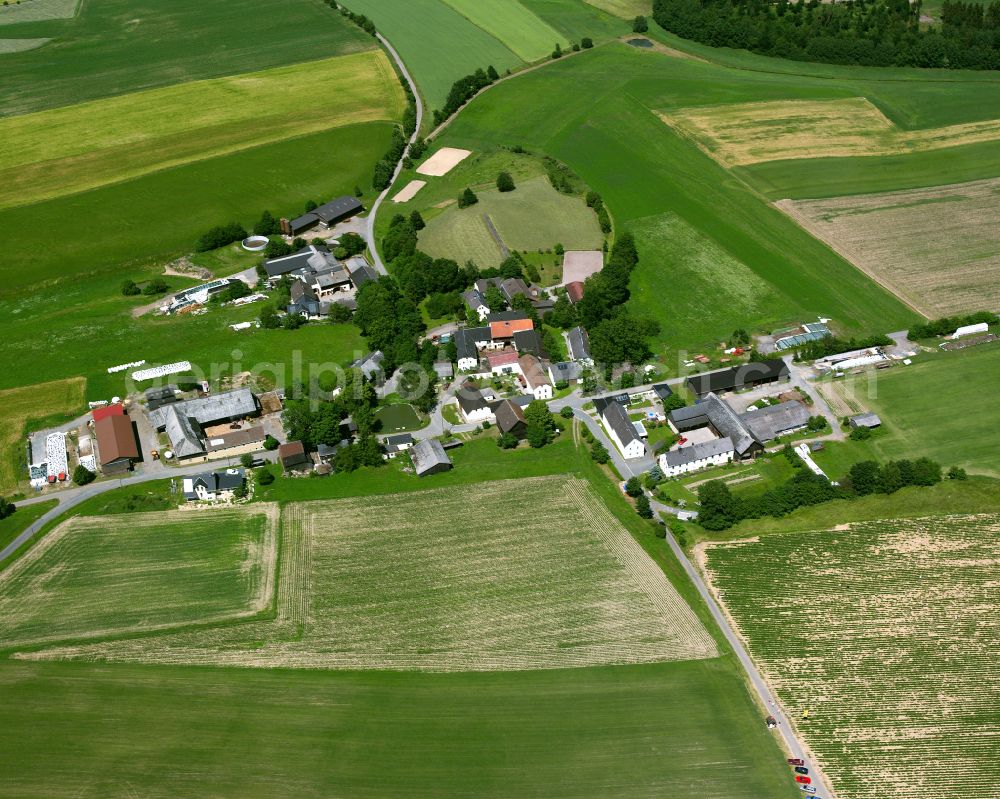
{"x": 596, "y": 113}
{"x": 70, "y": 149}
{"x": 509, "y": 21}
{"x": 119, "y": 46}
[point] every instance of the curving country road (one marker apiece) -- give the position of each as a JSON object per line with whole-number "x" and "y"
{"x": 373, "y": 212}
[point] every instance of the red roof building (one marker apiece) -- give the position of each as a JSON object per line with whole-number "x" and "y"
{"x": 574, "y": 291}
{"x": 507, "y": 328}
{"x": 502, "y": 358}
{"x": 108, "y": 410}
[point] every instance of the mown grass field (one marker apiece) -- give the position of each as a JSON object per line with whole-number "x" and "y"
{"x": 436, "y": 42}
{"x": 937, "y": 248}
{"x": 415, "y": 583}
{"x": 533, "y": 216}
{"x": 56, "y": 400}
{"x": 98, "y": 577}
{"x": 919, "y": 408}
{"x": 890, "y": 649}
{"x": 626, "y": 9}
{"x": 119, "y": 46}
{"x": 509, "y": 21}
{"x": 595, "y": 112}
{"x": 67, "y": 150}
{"x": 576, "y": 19}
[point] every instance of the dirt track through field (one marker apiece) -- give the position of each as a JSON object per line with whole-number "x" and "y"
{"x": 525, "y": 574}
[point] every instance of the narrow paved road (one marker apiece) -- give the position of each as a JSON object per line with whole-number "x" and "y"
{"x": 760, "y": 686}
{"x": 373, "y": 213}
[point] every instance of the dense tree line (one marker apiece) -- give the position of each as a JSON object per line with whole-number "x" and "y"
{"x": 720, "y": 509}
{"x": 947, "y": 325}
{"x": 220, "y": 236}
{"x": 463, "y": 90}
{"x": 866, "y": 32}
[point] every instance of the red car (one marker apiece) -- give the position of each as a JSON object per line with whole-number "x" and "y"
{"x": 803, "y": 780}
{"x": 796, "y": 761}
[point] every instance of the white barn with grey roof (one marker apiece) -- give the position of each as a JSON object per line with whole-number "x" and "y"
{"x": 697, "y": 456}
{"x": 622, "y": 431}
{"x": 429, "y": 457}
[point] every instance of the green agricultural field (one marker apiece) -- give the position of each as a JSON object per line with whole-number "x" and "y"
{"x": 438, "y": 44}
{"x": 70, "y": 149}
{"x": 568, "y": 587}
{"x": 509, "y": 21}
{"x": 626, "y": 9}
{"x": 53, "y": 401}
{"x": 627, "y": 731}
{"x": 158, "y": 217}
{"x": 576, "y": 19}
{"x": 595, "y": 112}
{"x": 890, "y": 648}
{"x": 97, "y": 577}
{"x": 917, "y": 406}
{"x": 534, "y": 216}
{"x": 119, "y": 46}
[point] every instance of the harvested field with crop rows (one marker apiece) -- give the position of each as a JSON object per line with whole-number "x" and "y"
{"x": 938, "y": 249}
{"x": 737, "y": 134}
{"x": 509, "y": 575}
{"x": 887, "y": 633}
{"x": 100, "y": 576}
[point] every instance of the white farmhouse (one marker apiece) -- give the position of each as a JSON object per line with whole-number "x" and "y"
{"x": 697, "y": 456}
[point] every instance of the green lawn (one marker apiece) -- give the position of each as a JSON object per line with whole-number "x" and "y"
{"x": 533, "y": 216}
{"x": 624, "y": 731}
{"x": 18, "y": 522}
{"x": 917, "y": 405}
{"x": 437, "y": 43}
{"x": 576, "y": 19}
{"x": 509, "y": 21}
{"x": 119, "y": 46}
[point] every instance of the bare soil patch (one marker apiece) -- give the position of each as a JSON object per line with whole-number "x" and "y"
{"x": 443, "y": 161}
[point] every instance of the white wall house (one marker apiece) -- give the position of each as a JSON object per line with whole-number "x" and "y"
{"x": 622, "y": 432}
{"x": 697, "y": 456}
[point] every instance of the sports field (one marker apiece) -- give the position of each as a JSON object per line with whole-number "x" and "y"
{"x": 542, "y": 576}
{"x": 917, "y": 405}
{"x": 509, "y": 21}
{"x": 57, "y": 400}
{"x": 436, "y": 42}
{"x": 66, "y": 150}
{"x": 96, "y": 577}
{"x": 739, "y": 134}
{"x": 120, "y": 46}
{"x": 533, "y": 216}
{"x": 937, "y": 248}
{"x": 890, "y": 649}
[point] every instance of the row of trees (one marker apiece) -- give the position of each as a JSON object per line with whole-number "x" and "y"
{"x": 867, "y": 32}
{"x": 947, "y": 325}
{"x": 720, "y": 509}
{"x": 463, "y": 90}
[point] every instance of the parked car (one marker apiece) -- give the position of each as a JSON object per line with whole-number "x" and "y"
{"x": 808, "y": 788}
{"x": 796, "y": 761}
{"x": 801, "y": 770}
{"x": 802, "y": 779}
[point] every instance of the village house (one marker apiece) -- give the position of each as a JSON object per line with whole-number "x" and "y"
{"x": 213, "y": 486}
{"x": 117, "y": 448}
{"x": 292, "y": 456}
{"x": 397, "y": 443}
{"x": 536, "y": 380}
{"x": 184, "y": 422}
{"x": 622, "y": 429}
{"x": 697, "y": 456}
{"x": 510, "y": 418}
{"x": 579, "y": 346}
